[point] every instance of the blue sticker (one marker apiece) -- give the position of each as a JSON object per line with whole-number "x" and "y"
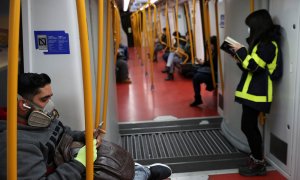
{"x": 52, "y": 42}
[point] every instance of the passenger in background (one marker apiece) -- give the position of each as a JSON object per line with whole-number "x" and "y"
{"x": 177, "y": 57}
{"x": 125, "y": 51}
{"x": 255, "y": 89}
{"x": 40, "y": 134}
{"x": 160, "y": 44}
{"x": 181, "y": 44}
{"x": 203, "y": 73}
{"x": 122, "y": 74}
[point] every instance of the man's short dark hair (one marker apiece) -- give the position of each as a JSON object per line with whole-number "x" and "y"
{"x": 30, "y": 83}
{"x": 164, "y": 29}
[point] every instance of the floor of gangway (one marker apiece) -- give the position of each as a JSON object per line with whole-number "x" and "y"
{"x": 186, "y": 146}
{"x": 140, "y": 101}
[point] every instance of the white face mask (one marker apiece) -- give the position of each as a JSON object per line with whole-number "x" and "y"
{"x": 248, "y": 30}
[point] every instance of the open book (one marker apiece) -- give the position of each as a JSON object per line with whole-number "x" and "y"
{"x": 226, "y": 45}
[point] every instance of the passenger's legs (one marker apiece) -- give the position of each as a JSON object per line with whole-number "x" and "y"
{"x": 169, "y": 62}
{"x": 176, "y": 59}
{"x": 155, "y": 171}
{"x": 158, "y": 47}
{"x": 122, "y": 71}
{"x": 141, "y": 172}
{"x": 257, "y": 165}
{"x": 250, "y": 129}
{"x": 198, "y": 79}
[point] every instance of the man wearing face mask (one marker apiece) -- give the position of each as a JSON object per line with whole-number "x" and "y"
{"x": 39, "y": 133}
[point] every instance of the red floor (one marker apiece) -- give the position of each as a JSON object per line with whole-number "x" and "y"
{"x": 139, "y": 102}
{"x": 271, "y": 175}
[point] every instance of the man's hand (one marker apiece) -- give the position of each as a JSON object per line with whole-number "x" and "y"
{"x": 98, "y": 135}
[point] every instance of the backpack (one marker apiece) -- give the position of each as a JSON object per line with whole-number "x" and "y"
{"x": 275, "y": 69}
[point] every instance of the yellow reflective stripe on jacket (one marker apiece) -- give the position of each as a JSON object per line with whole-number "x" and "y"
{"x": 261, "y": 63}
{"x": 245, "y": 63}
{"x": 273, "y": 64}
{"x": 245, "y": 95}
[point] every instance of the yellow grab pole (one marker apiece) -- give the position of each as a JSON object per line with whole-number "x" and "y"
{"x": 87, "y": 84}
{"x": 117, "y": 29}
{"x": 190, "y": 33}
{"x": 153, "y": 36}
{"x": 107, "y": 63}
{"x": 150, "y": 44}
{"x": 218, "y": 45}
{"x": 12, "y": 88}
{"x": 100, "y": 57}
{"x": 140, "y": 26}
{"x": 251, "y": 5}
{"x": 145, "y": 31}
{"x": 207, "y": 33}
{"x": 159, "y": 23}
{"x": 176, "y": 22}
{"x": 167, "y": 26}
{"x": 194, "y": 25}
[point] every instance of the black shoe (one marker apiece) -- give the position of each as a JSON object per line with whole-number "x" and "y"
{"x": 159, "y": 171}
{"x": 165, "y": 70}
{"x": 170, "y": 77}
{"x": 210, "y": 87}
{"x": 195, "y": 103}
{"x": 254, "y": 168}
{"x": 198, "y": 101}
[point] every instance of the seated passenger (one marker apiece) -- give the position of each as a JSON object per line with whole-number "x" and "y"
{"x": 125, "y": 51}
{"x": 181, "y": 44}
{"x": 160, "y": 45}
{"x": 122, "y": 75}
{"x": 39, "y": 137}
{"x": 203, "y": 74}
{"x": 177, "y": 57}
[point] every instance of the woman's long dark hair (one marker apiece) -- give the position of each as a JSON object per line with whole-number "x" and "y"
{"x": 262, "y": 28}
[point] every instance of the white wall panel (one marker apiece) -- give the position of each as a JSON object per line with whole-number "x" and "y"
{"x": 64, "y": 70}
{"x": 282, "y": 121}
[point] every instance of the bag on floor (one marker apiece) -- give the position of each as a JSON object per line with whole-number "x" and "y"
{"x": 188, "y": 69}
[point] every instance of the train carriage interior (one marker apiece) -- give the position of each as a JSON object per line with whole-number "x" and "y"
{"x": 84, "y": 47}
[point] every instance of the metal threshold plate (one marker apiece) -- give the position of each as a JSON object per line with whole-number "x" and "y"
{"x": 186, "y": 145}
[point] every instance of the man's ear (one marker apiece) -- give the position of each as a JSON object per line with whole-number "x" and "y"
{"x": 22, "y": 105}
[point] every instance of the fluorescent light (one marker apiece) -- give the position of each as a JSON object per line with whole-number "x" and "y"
{"x": 126, "y": 4}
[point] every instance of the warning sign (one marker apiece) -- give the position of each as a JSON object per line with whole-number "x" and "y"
{"x": 52, "y": 42}
{"x": 42, "y": 42}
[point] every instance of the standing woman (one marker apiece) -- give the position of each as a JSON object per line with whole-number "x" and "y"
{"x": 255, "y": 89}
